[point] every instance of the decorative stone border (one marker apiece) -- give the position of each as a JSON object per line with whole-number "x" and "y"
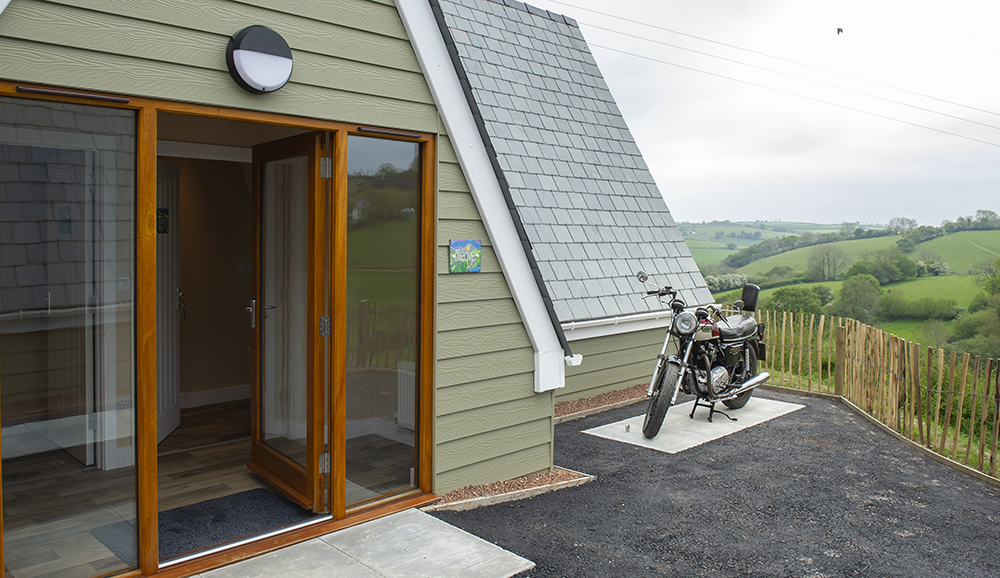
{"x": 472, "y": 503}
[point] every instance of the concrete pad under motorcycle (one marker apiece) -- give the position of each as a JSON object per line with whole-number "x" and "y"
{"x": 680, "y": 432}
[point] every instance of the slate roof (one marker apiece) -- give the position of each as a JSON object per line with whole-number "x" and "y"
{"x": 585, "y": 203}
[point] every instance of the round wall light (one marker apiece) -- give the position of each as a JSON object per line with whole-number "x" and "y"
{"x": 259, "y": 59}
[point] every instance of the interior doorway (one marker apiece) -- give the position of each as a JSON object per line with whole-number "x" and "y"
{"x": 206, "y": 338}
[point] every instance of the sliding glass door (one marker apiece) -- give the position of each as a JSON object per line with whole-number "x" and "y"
{"x": 67, "y": 338}
{"x": 383, "y": 295}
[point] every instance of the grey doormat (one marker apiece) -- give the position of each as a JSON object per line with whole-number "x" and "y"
{"x": 206, "y": 524}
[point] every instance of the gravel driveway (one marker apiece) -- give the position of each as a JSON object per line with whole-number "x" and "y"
{"x": 818, "y": 492}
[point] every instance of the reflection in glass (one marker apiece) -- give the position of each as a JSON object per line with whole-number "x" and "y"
{"x": 383, "y": 241}
{"x": 67, "y": 365}
{"x": 284, "y": 270}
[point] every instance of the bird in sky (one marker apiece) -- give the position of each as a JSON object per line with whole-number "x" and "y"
{"x": 840, "y": 31}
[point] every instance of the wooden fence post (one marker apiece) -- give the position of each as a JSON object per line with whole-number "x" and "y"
{"x": 982, "y": 419}
{"x": 802, "y": 332}
{"x": 784, "y": 323}
{"x": 819, "y": 351}
{"x": 917, "y": 394}
{"x": 840, "y": 363}
{"x": 940, "y": 391}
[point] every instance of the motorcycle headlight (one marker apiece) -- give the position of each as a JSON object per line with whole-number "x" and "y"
{"x": 686, "y": 323}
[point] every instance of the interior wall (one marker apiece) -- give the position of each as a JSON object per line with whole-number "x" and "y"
{"x": 216, "y": 275}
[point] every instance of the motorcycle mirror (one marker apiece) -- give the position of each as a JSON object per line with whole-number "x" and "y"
{"x": 641, "y": 276}
{"x": 738, "y": 305}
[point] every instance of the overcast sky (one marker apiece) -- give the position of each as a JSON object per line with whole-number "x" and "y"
{"x": 724, "y": 149}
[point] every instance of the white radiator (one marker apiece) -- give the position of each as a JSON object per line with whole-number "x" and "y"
{"x": 406, "y": 395}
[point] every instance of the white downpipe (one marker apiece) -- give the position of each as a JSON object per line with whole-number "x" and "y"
{"x": 442, "y": 79}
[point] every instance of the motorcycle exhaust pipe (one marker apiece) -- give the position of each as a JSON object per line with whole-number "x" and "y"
{"x": 749, "y": 384}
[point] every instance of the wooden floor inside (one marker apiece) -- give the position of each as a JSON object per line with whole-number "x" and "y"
{"x": 52, "y": 502}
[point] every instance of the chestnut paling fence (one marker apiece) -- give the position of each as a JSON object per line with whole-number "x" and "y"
{"x": 380, "y": 334}
{"x": 944, "y": 400}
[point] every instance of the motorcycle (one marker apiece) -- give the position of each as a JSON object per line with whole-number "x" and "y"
{"x": 716, "y": 356}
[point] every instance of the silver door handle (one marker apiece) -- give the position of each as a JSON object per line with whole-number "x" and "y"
{"x": 252, "y": 310}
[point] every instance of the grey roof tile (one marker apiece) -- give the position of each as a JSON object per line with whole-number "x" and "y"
{"x": 589, "y": 206}
{"x": 608, "y": 287}
{"x": 563, "y": 309}
{"x": 594, "y": 308}
{"x": 575, "y": 288}
{"x": 578, "y": 270}
{"x": 610, "y": 306}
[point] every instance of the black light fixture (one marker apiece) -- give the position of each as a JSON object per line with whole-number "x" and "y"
{"x": 259, "y": 59}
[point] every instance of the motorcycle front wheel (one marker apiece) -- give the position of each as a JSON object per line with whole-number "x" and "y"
{"x": 660, "y": 401}
{"x": 748, "y": 372}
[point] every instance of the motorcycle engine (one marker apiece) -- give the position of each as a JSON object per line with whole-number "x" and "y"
{"x": 719, "y": 381}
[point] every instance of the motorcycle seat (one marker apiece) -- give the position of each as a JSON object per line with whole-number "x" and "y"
{"x": 737, "y": 327}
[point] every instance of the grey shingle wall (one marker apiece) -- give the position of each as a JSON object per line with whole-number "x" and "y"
{"x": 587, "y": 204}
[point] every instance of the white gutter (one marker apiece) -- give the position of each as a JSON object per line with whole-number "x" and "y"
{"x": 577, "y": 330}
{"x": 442, "y": 79}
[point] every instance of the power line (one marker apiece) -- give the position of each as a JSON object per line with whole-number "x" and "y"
{"x": 788, "y": 60}
{"x": 814, "y": 99}
{"x": 790, "y": 75}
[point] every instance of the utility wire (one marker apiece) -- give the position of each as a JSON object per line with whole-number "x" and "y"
{"x": 788, "y": 60}
{"x": 790, "y": 75}
{"x": 814, "y": 99}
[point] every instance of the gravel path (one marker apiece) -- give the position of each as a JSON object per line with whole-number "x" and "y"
{"x": 819, "y": 492}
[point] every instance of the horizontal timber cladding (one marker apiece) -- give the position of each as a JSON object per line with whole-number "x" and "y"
{"x": 490, "y": 423}
{"x": 352, "y": 60}
{"x": 512, "y": 465}
{"x": 612, "y": 362}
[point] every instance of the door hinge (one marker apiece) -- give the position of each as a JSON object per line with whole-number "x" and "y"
{"x": 324, "y": 463}
{"x": 326, "y": 167}
{"x": 324, "y": 326}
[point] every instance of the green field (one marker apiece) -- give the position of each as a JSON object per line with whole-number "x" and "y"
{"x": 962, "y": 250}
{"x": 708, "y": 255}
{"x": 799, "y": 258}
{"x": 708, "y": 249}
{"x": 961, "y": 288}
{"x": 909, "y": 329}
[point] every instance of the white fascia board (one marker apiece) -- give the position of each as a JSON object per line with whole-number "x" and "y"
{"x": 3, "y": 5}
{"x": 575, "y": 331}
{"x": 442, "y": 79}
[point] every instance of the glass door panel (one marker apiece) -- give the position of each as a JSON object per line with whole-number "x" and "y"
{"x": 383, "y": 265}
{"x": 282, "y": 300}
{"x": 287, "y": 405}
{"x": 67, "y": 338}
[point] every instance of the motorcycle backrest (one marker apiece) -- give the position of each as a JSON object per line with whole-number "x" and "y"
{"x": 749, "y": 298}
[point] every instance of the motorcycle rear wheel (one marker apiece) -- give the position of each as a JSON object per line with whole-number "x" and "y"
{"x": 660, "y": 401}
{"x": 742, "y": 399}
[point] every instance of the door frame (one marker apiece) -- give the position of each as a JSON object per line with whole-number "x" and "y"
{"x": 145, "y": 295}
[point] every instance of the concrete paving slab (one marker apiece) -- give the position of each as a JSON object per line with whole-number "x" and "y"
{"x": 412, "y": 543}
{"x": 406, "y": 544}
{"x": 679, "y": 432}
{"x": 310, "y": 559}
